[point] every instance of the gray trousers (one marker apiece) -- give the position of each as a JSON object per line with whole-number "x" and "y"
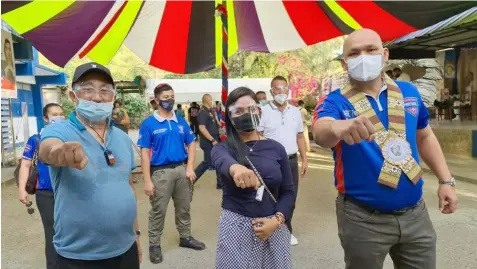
{"x": 169, "y": 183}
{"x": 46, "y": 203}
{"x": 368, "y": 237}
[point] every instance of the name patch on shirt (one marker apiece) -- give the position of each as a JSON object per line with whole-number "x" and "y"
{"x": 159, "y": 131}
{"x": 181, "y": 129}
{"x": 411, "y": 105}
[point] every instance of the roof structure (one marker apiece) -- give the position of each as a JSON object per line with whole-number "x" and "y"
{"x": 457, "y": 31}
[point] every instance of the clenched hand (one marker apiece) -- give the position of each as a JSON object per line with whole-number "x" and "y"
{"x": 68, "y": 154}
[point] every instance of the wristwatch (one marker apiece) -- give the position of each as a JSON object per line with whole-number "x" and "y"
{"x": 450, "y": 182}
{"x": 138, "y": 233}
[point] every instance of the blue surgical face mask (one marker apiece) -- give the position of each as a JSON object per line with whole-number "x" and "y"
{"x": 93, "y": 111}
{"x": 55, "y": 119}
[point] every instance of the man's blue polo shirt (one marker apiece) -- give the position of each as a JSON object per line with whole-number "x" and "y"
{"x": 95, "y": 207}
{"x": 166, "y": 138}
{"x": 357, "y": 167}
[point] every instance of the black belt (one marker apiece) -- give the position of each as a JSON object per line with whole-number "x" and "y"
{"x": 165, "y": 166}
{"x": 292, "y": 156}
{"x": 371, "y": 210}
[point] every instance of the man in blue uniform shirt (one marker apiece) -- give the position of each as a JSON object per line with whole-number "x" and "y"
{"x": 376, "y": 127}
{"x": 90, "y": 167}
{"x": 165, "y": 174}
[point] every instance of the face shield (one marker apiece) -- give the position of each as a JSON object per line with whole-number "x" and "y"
{"x": 245, "y": 118}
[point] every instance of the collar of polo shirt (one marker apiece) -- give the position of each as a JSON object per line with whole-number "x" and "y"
{"x": 272, "y": 105}
{"x": 161, "y": 119}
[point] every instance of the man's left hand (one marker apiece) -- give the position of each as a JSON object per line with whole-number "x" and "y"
{"x": 304, "y": 166}
{"x": 139, "y": 250}
{"x": 190, "y": 175}
{"x": 447, "y": 199}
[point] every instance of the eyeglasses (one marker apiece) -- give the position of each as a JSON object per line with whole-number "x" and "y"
{"x": 280, "y": 88}
{"x": 30, "y": 209}
{"x": 235, "y": 110}
{"x": 88, "y": 91}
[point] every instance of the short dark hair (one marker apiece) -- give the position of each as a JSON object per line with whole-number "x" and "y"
{"x": 162, "y": 88}
{"x": 300, "y": 103}
{"x": 193, "y": 103}
{"x": 118, "y": 101}
{"x": 397, "y": 69}
{"x": 260, "y": 92}
{"x": 282, "y": 78}
{"x": 47, "y": 108}
{"x": 179, "y": 106}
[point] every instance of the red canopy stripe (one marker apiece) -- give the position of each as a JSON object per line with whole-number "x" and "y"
{"x": 170, "y": 48}
{"x": 310, "y": 21}
{"x": 370, "y": 15}
{"x": 101, "y": 34}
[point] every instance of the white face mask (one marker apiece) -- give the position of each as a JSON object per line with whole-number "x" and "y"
{"x": 365, "y": 67}
{"x": 280, "y": 98}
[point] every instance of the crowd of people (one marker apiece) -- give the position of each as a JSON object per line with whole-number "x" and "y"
{"x": 86, "y": 196}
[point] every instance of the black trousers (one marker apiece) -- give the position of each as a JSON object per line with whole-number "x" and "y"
{"x": 294, "y": 171}
{"x": 128, "y": 260}
{"x": 46, "y": 203}
{"x": 205, "y": 165}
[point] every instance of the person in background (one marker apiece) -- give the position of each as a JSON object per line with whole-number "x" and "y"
{"x": 179, "y": 111}
{"x": 282, "y": 122}
{"x": 251, "y": 232}
{"x": 120, "y": 116}
{"x": 218, "y": 111}
{"x": 165, "y": 173}
{"x": 305, "y": 116}
{"x": 96, "y": 224}
{"x": 193, "y": 113}
{"x": 209, "y": 137}
{"x": 376, "y": 147}
{"x": 52, "y": 113}
{"x": 262, "y": 98}
{"x": 390, "y": 74}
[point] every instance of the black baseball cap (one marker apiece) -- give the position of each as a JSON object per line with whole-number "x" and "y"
{"x": 92, "y": 68}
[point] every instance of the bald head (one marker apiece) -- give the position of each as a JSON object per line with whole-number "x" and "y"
{"x": 363, "y": 41}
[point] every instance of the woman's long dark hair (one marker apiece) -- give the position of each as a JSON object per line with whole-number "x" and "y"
{"x": 234, "y": 143}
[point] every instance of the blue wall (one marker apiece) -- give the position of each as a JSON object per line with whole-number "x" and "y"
{"x": 16, "y": 104}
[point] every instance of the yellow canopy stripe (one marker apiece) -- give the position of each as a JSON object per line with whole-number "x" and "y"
{"x": 232, "y": 33}
{"x": 107, "y": 47}
{"x": 343, "y": 14}
{"x": 34, "y": 14}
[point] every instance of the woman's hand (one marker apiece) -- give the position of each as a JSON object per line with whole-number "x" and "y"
{"x": 244, "y": 177}
{"x": 264, "y": 227}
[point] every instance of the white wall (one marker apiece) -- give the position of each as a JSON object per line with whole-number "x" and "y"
{"x": 189, "y": 90}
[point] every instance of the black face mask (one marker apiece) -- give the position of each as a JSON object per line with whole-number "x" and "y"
{"x": 244, "y": 123}
{"x": 167, "y": 104}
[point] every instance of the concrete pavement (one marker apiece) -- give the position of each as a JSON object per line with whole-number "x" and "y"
{"x": 315, "y": 226}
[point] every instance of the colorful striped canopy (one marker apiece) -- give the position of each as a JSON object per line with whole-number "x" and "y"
{"x": 185, "y": 36}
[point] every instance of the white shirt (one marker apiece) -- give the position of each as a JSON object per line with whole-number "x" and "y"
{"x": 282, "y": 127}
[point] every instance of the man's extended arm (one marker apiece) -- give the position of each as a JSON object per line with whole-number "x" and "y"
{"x": 323, "y": 133}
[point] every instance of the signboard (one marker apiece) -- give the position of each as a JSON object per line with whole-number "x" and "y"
{"x": 9, "y": 87}
{"x": 8, "y": 146}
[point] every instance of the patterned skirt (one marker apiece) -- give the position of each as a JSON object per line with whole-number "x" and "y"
{"x": 239, "y": 248}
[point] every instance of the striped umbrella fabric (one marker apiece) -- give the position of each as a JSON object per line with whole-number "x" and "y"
{"x": 185, "y": 36}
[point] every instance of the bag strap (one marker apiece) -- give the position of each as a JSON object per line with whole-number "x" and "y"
{"x": 37, "y": 148}
{"x": 261, "y": 179}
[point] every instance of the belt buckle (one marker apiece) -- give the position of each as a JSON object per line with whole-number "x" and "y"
{"x": 400, "y": 211}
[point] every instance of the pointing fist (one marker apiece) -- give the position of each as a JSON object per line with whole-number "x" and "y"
{"x": 243, "y": 177}
{"x": 68, "y": 154}
{"x": 354, "y": 130}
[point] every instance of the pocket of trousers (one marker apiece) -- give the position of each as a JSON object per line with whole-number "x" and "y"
{"x": 355, "y": 212}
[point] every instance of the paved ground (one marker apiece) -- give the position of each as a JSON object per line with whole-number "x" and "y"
{"x": 315, "y": 224}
